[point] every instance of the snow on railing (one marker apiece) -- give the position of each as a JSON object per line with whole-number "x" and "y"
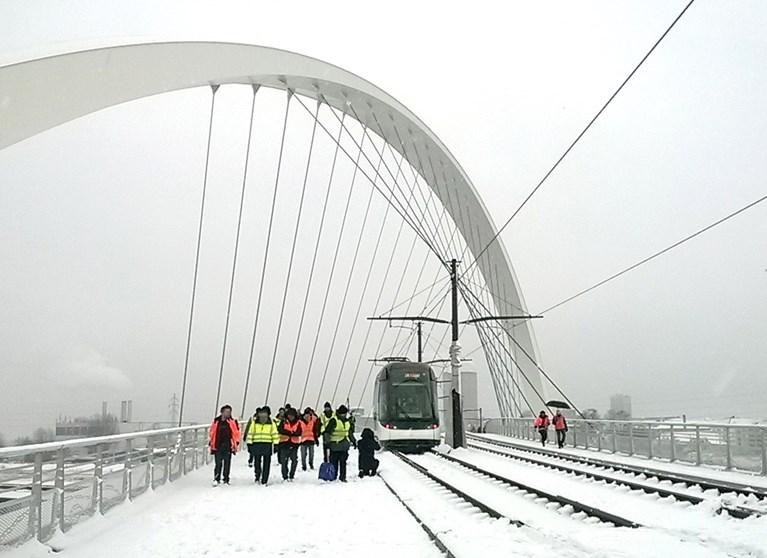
{"x": 722, "y": 445}
{"x": 49, "y": 487}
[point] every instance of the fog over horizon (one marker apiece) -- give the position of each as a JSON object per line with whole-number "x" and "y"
{"x": 98, "y": 217}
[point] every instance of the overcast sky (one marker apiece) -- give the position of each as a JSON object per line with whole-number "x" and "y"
{"x": 98, "y": 217}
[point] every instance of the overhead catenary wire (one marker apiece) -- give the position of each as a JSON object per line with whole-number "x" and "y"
{"x": 266, "y": 254}
{"x": 214, "y": 89}
{"x": 656, "y": 254}
{"x": 236, "y": 248}
{"x": 581, "y": 134}
{"x": 292, "y": 254}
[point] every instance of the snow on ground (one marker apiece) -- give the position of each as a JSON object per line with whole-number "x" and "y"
{"x": 306, "y": 518}
{"x": 669, "y": 520}
{"x": 744, "y": 478}
{"x": 309, "y": 518}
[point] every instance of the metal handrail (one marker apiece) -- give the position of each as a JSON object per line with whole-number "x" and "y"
{"x": 15, "y": 451}
{"x": 49, "y": 487}
{"x": 724, "y": 445}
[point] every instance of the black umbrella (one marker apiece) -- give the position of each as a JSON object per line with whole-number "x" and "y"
{"x": 557, "y": 404}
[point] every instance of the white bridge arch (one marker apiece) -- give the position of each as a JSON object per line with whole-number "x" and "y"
{"x": 38, "y": 94}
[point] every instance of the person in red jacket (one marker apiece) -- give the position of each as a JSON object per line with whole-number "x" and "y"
{"x": 560, "y": 426}
{"x": 542, "y": 425}
{"x": 224, "y": 438}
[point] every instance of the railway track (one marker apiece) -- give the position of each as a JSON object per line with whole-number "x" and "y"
{"x": 740, "y": 512}
{"x": 601, "y": 469}
{"x": 459, "y": 486}
{"x": 589, "y": 511}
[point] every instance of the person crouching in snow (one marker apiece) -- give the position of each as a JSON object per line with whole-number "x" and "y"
{"x": 290, "y": 439}
{"x": 542, "y": 425}
{"x": 224, "y": 437}
{"x": 367, "y": 446}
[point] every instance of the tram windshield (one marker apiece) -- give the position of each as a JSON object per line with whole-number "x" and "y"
{"x": 409, "y": 401}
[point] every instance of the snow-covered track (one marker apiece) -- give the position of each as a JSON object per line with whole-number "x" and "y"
{"x": 597, "y": 474}
{"x": 590, "y": 511}
{"x": 434, "y": 537}
{"x": 662, "y": 475}
{"x": 458, "y": 492}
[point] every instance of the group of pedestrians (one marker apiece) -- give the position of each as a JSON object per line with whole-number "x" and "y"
{"x": 289, "y": 434}
{"x": 542, "y": 423}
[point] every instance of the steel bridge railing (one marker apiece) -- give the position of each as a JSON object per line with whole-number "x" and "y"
{"x": 740, "y": 447}
{"x": 45, "y": 488}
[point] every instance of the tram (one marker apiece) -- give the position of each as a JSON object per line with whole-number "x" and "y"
{"x": 405, "y": 407}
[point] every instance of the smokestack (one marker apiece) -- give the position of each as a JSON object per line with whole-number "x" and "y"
{"x": 104, "y": 410}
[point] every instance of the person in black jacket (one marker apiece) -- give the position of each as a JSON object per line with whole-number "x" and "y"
{"x": 367, "y": 446}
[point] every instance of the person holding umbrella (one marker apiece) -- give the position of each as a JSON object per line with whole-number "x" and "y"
{"x": 560, "y": 427}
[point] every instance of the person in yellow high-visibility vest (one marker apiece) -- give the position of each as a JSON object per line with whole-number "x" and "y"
{"x": 261, "y": 436}
{"x": 339, "y": 435}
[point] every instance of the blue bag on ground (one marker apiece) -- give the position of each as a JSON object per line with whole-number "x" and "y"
{"x": 327, "y": 472}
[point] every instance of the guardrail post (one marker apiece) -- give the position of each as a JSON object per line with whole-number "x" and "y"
{"x": 727, "y": 445}
{"x": 36, "y": 498}
{"x": 631, "y": 438}
{"x": 98, "y": 480}
{"x": 615, "y": 441}
{"x": 150, "y": 463}
{"x": 672, "y": 454}
{"x": 698, "y": 459}
{"x": 128, "y": 471}
{"x": 586, "y": 435}
{"x": 599, "y": 436}
{"x": 168, "y": 460}
{"x": 182, "y": 448}
{"x": 58, "y": 503}
{"x": 649, "y": 441}
{"x": 197, "y": 449}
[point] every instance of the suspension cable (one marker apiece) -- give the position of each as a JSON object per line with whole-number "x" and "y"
{"x": 472, "y": 310}
{"x": 266, "y": 253}
{"x": 370, "y": 322}
{"x": 292, "y": 254}
{"x": 378, "y": 299}
{"x": 583, "y": 132}
{"x": 310, "y": 366}
{"x": 656, "y": 254}
{"x": 311, "y": 270}
{"x": 465, "y": 290}
{"x": 411, "y": 220}
{"x": 346, "y": 289}
{"x": 236, "y": 247}
{"x": 214, "y": 89}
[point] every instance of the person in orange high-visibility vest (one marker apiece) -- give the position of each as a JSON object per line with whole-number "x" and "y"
{"x": 290, "y": 439}
{"x": 560, "y": 426}
{"x": 541, "y": 424}
{"x": 310, "y": 437}
{"x": 224, "y": 437}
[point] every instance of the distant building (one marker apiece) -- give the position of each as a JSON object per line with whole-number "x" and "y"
{"x": 620, "y": 404}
